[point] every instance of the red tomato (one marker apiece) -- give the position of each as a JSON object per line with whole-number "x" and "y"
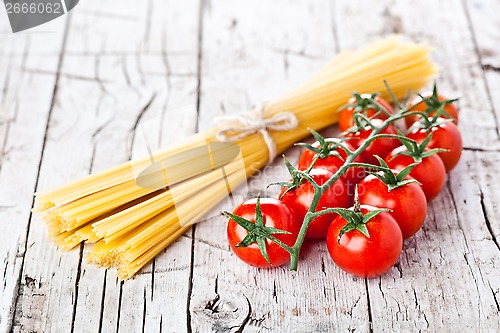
{"x": 275, "y": 215}
{"x": 407, "y": 202}
{"x": 421, "y": 106}
{"x": 361, "y": 256}
{"x": 332, "y": 163}
{"x": 300, "y": 199}
{"x": 380, "y": 147}
{"x": 446, "y": 136}
{"x": 346, "y": 120}
{"x": 430, "y": 172}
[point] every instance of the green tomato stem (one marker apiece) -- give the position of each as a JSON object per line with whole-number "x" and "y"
{"x": 319, "y": 190}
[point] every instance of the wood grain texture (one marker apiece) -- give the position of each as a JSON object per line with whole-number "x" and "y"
{"x": 109, "y": 80}
{"x": 116, "y": 85}
{"x": 28, "y": 74}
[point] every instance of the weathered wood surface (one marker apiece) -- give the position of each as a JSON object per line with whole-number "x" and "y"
{"x": 74, "y": 91}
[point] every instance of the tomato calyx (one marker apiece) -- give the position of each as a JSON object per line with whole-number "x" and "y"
{"x": 298, "y": 177}
{"x": 326, "y": 147}
{"x": 391, "y": 179}
{"x": 433, "y": 103}
{"x": 355, "y": 218}
{"x": 427, "y": 123}
{"x": 415, "y": 150}
{"x": 258, "y": 232}
{"x": 364, "y": 102}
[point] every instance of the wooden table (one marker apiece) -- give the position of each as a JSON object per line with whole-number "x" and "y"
{"x": 74, "y": 91}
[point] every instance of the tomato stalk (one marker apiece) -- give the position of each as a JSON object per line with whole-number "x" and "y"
{"x": 327, "y": 147}
{"x": 348, "y": 163}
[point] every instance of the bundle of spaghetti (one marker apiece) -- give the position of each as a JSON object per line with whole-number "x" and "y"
{"x": 134, "y": 211}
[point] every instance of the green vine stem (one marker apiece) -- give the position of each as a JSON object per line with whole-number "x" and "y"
{"x": 299, "y": 176}
{"x": 349, "y": 162}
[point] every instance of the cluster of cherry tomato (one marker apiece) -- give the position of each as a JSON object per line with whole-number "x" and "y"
{"x": 380, "y": 199}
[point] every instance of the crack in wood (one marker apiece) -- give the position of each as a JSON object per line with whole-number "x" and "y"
{"x": 15, "y": 313}
{"x": 247, "y": 319}
{"x": 123, "y": 60}
{"x": 323, "y": 269}
{"x": 166, "y": 65}
{"x": 6, "y": 81}
{"x": 488, "y": 67}
{"x": 487, "y": 220}
{"x": 370, "y": 315}
{"x": 190, "y": 283}
{"x": 212, "y": 244}
{"x": 481, "y": 150}
{"x": 77, "y": 288}
{"x": 494, "y": 293}
{"x": 4, "y": 152}
{"x": 120, "y": 297}
{"x": 144, "y": 311}
{"x": 103, "y": 297}
{"x": 139, "y": 68}
{"x": 199, "y": 65}
{"x": 26, "y": 52}
{"x": 111, "y": 15}
{"x": 475, "y": 284}
{"x": 153, "y": 273}
{"x": 142, "y": 112}
{"x": 394, "y": 23}
{"x": 97, "y": 77}
{"x": 481, "y": 64}
{"x": 67, "y": 75}
{"x": 147, "y": 30}
{"x": 275, "y": 293}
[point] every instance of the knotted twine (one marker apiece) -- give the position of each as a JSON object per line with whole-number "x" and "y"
{"x": 238, "y": 126}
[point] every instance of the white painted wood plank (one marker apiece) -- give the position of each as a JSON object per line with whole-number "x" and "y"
{"x": 107, "y": 84}
{"x": 442, "y": 265}
{"x": 243, "y": 64}
{"x": 486, "y": 29}
{"x": 25, "y": 103}
{"x": 483, "y": 19}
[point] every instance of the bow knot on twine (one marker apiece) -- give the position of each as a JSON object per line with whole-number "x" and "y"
{"x": 238, "y": 126}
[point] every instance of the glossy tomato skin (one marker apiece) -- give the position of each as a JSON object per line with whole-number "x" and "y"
{"x": 380, "y": 147}
{"x": 332, "y": 163}
{"x": 422, "y": 106}
{"x": 276, "y": 215}
{"x": 366, "y": 257}
{"x": 431, "y": 172}
{"x": 446, "y": 136}
{"x": 408, "y": 203}
{"x": 345, "y": 117}
{"x": 300, "y": 199}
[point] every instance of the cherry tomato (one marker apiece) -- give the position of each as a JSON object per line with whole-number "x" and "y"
{"x": 346, "y": 120}
{"x": 407, "y": 202}
{"x": 446, "y": 136}
{"x": 421, "y": 106}
{"x": 275, "y": 215}
{"x": 332, "y": 163}
{"x": 300, "y": 199}
{"x": 380, "y": 147}
{"x": 362, "y": 256}
{"x": 430, "y": 172}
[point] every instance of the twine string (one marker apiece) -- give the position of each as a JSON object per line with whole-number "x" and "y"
{"x": 238, "y": 126}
